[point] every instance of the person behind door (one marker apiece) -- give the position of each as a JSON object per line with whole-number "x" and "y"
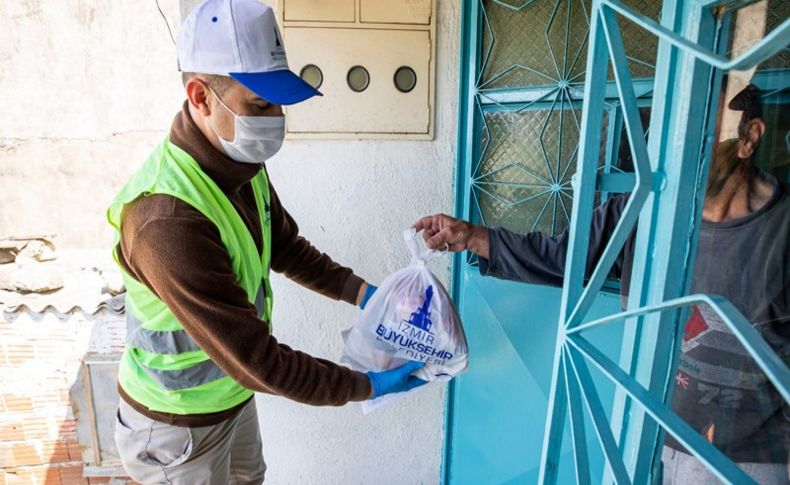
{"x": 743, "y": 254}
{"x": 198, "y": 228}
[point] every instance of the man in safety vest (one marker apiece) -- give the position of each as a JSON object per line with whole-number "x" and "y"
{"x": 199, "y": 227}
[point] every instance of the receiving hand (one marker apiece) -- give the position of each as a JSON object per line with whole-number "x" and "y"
{"x": 396, "y": 380}
{"x": 443, "y": 232}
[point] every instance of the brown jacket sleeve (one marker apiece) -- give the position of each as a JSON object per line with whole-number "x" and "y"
{"x": 178, "y": 254}
{"x": 296, "y": 258}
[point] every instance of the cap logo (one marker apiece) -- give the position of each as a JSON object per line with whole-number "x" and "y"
{"x": 278, "y": 54}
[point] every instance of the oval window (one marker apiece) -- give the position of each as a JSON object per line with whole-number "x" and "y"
{"x": 405, "y": 79}
{"x": 312, "y": 75}
{"x": 358, "y": 79}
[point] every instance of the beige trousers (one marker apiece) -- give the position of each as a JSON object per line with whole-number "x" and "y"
{"x": 157, "y": 453}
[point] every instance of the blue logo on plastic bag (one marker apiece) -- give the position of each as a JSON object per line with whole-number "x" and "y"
{"x": 413, "y": 338}
{"x": 422, "y": 317}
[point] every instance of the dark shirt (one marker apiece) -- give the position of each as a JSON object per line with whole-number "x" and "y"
{"x": 719, "y": 389}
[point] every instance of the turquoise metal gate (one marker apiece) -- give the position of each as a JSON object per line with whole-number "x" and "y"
{"x": 667, "y": 189}
{"x": 523, "y": 79}
{"x": 538, "y": 93}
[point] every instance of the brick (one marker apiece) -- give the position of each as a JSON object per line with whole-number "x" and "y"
{"x": 96, "y": 480}
{"x": 67, "y": 427}
{"x": 12, "y": 432}
{"x": 72, "y": 475}
{"x": 46, "y": 411}
{"x": 20, "y": 354}
{"x": 52, "y": 477}
{"x": 75, "y": 451}
{"x": 55, "y": 452}
{"x": 24, "y": 454}
{"x": 14, "y": 403}
{"x": 49, "y": 399}
{"x": 37, "y": 427}
{"x": 6, "y": 455}
{"x": 32, "y": 475}
{"x": 9, "y": 477}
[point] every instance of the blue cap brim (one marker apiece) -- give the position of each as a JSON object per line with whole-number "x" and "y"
{"x": 278, "y": 87}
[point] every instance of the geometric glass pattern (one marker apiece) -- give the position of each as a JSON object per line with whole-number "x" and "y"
{"x": 536, "y": 51}
{"x": 778, "y": 10}
{"x": 523, "y": 180}
{"x": 536, "y": 43}
{"x": 518, "y": 185}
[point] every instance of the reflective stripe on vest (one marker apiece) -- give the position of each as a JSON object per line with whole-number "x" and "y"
{"x": 193, "y": 376}
{"x": 162, "y": 367}
{"x": 157, "y": 341}
{"x": 172, "y": 342}
{"x": 260, "y": 301}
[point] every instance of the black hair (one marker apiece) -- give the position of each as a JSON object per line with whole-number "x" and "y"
{"x": 747, "y": 101}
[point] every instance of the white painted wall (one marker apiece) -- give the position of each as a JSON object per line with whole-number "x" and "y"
{"x": 89, "y": 87}
{"x": 749, "y": 29}
{"x": 352, "y": 199}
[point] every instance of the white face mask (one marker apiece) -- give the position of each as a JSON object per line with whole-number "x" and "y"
{"x": 257, "y": 138}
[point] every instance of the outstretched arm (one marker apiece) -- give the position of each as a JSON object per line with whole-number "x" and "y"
{"x": 532, "y": 257}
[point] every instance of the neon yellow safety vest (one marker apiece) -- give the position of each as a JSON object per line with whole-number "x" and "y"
{"x": 162, "y": 367}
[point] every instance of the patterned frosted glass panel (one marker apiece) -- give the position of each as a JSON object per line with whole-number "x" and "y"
{"x": 544, "y": 42}
{"x": 538, "y": 45}
{"x": 640, "y": 46}
{"x": 778, "y": 11}
{"x": 523, "y": 178}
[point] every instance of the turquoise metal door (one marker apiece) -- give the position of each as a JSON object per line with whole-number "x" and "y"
{"x": 523, "y": 78}
{"x": 544, "y": 84}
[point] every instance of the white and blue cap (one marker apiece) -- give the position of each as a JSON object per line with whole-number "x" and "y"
{"x": 240, "y": 39}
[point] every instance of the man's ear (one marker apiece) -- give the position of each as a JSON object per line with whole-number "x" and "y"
{"x": 754, "y": 132}
{"x": 198, "y": 94}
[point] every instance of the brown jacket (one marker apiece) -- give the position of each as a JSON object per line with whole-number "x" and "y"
{"x": 176, "y": 252}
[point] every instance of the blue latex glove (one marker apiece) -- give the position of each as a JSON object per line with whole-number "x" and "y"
{"x": 368, "y": 293}
{"x": 396, "y": 380}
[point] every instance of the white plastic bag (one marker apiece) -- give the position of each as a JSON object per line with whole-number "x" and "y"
{"x": 410, "y": 317}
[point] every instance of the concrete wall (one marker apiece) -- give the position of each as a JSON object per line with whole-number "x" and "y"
{"x": 749, "y": 29}
{"x": 89, "y": 87}
{"x": 86, "y": 89}
{"x": 352, "y": 199}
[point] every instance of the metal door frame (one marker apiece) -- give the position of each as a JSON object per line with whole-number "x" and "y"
{"x": 474, "y": 100}
{"x": 667, "y": 191}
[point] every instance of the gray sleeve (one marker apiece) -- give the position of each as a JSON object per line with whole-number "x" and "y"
{"x": 538, "y": 258}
